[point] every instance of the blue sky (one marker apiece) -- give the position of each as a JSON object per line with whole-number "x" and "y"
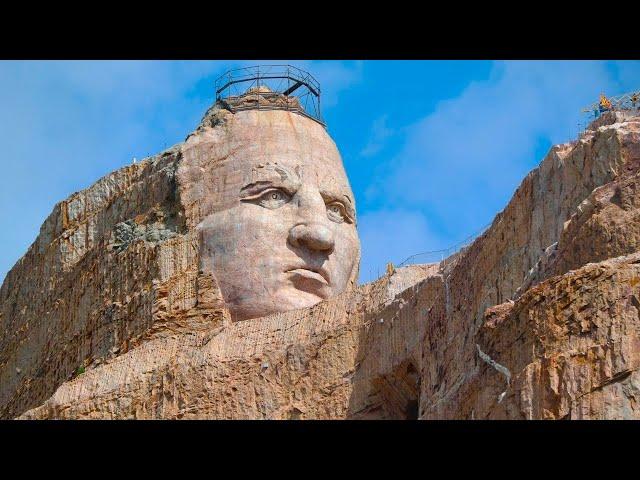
{"x": 433, "y": 149}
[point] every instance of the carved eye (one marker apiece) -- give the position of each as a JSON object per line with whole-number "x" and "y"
{"x": 336, "y": 212}
{"x": 273, "y": 198}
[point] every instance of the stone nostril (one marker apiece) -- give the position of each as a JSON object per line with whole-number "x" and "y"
{"x": 319, "y": 238}
{"x": 314, "y": 236}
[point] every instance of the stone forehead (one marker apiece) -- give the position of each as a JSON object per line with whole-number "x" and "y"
{"x": 280, "y": 134}
{"x": 257, "y": 140}
{"x": 256, "y": 122}
{"x": 219, "y": 161}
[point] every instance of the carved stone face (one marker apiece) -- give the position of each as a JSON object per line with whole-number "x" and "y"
{"x": 281, "y": 230}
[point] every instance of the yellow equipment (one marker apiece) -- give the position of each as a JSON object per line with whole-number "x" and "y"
{"x": 604, "y": 102}
{"x": 390, "y": 269}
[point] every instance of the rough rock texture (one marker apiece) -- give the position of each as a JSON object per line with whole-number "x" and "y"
{"x": 538, "y": 318}
{"x": 354, "y": 355}
{"x": 167, "y": 245}
{"x": 557, "y": 205}
{"x": 571, "y": 345}
{"x": 109, "y": 262}
{"x": 263, "y": 97}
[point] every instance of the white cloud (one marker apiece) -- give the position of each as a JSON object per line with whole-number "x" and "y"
{"x": 460, "y": 165}
{"x": 464, "y": 161}
{"x": 334, "y": 78}
{"x": 67, "y": 123}
{"x": 379, "y": 135}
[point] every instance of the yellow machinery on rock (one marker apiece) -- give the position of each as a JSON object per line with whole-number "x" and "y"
{"x": 628, "y": 101}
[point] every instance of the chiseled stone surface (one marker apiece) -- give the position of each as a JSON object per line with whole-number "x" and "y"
{"x": 571, "y": 345}
{"x": 538, "y": 318}
{"x": 89, "y": 287}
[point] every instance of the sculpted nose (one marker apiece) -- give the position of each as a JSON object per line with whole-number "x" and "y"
{"x": 312, "y": 231}
{"x": 314, "y": 236}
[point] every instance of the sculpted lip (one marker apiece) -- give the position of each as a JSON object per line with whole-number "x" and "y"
{"x": 320, "y": 274}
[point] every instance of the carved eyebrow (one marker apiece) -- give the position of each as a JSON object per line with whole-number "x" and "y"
{"x": 284, "y": 178}
{"x": 255, "y": 188}
{"x": 330, "y": 196}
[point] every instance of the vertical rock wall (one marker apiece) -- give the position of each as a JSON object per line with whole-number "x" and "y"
{"x": 111, "y": 264}
{"x": 543, "y": 231}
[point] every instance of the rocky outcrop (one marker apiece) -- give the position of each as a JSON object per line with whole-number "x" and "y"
{"x": 537, "y": 318}
{"x": 106, "y": 262}
{"x": 530, "y": 241}
{"x": 120, "y": 263}
{"x": 572, "y": 347}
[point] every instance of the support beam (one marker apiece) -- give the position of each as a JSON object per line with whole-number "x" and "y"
{"x": 292, "y": 88}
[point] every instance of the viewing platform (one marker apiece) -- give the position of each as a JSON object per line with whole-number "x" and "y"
{"x": 270, "y": 87}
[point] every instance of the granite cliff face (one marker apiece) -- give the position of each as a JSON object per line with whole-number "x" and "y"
{"x": 537, "y": 318}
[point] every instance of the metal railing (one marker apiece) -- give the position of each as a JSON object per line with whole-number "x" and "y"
{"x": 433, "y": 256}
{"x": 288, "y": 88}
{"x": 626, "y": 101}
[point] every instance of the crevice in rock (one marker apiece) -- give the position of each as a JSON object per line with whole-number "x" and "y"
{"x": 396, "y": 396}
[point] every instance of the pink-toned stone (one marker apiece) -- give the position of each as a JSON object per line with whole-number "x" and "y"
{"x": 270, "y": 201}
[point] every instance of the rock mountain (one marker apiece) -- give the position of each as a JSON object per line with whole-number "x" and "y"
{"x": 108, "y": 315}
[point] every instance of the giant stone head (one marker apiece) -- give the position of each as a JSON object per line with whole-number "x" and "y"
{"x": 275, "y": 213}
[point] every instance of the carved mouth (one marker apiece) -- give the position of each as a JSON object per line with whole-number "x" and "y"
{"x": 320, "y": 275}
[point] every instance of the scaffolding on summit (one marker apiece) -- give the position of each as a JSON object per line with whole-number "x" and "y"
{"x": 270, "y": 87}
{"x": 625, "y": 102}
